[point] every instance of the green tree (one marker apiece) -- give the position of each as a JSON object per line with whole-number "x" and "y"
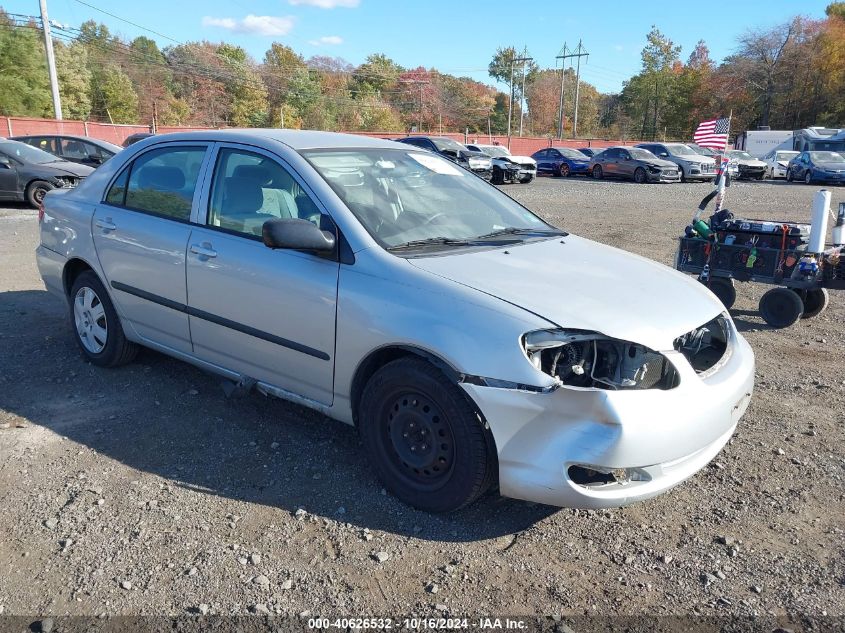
{"x": 24, "y": 84}
{"x": 114, "y": 97}
{"x": 835, "y": 10}
{"x": 74, "y": 79}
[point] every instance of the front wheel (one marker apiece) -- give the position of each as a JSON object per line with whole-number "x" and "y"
{"x": 640, "y": 176}
{"x": 96, "y": 325}
{"x": 597, "y": 172}
{"x": 424, "y": 438}
{"x": 808, "y": 177}
{"x": 789, "y": 176}
{"x": 36, "y": 190}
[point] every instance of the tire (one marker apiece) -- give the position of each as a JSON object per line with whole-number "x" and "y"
{"x": 564, "y": 170}
{"x": 808, "y": 177}
{"x": 598, "y": 174}
{"x": 815, "y": 301}
{"x": 683, "y": 176}
{"x": 724, "y": 289}
{"x": 781, "y": 307}
{"x": 36, "y": 190}
{"x": 789, "y": 175}
{"x": 91, "y": 306}
{"x": 405, "y": 403}
{"x": 640, "y": 177}
{"x": 526, "y": 180}
{"x": 498, "y": 177}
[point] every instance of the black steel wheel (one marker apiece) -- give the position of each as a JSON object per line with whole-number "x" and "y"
{"x": 724, "y": 289}
{"x": 781, "y": 307}
{"x": 597, "y": 172}
{"x": 640, "y": 176}
{"x": 424, "y": 438}
{"x": 815, "y": 301}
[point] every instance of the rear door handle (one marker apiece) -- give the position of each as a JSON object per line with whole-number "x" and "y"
{"x": 203, "y": 250}
{"x": 106, "y": 224}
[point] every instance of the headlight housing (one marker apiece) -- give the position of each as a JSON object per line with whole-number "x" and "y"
{"x": 579, "y": 358}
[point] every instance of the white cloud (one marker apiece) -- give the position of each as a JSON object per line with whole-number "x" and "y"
{"x": 327, "y": 40}
{"x": 327, "y": 4}
{"x": 253, "y": 24}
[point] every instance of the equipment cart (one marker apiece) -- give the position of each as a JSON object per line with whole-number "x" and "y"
{"x": 775, "y": 253}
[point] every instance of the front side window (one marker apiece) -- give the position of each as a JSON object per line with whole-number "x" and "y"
{"x": 162, "y": 181}
{"x": 248, "y": 189}
{"x": 71, "y": 148}
{"x": 405, "y": 196}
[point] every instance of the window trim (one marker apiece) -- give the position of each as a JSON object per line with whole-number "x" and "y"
{"x": 129, "y": 165}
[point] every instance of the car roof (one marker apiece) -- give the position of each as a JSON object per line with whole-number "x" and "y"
{"x": 295, "y": 139}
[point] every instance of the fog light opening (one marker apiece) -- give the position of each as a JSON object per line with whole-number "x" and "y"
{"x": 591, "y": 476}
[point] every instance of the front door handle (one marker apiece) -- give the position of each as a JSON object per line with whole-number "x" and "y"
{"x": 203, "y": 250}
{"x": 106, "y": 224}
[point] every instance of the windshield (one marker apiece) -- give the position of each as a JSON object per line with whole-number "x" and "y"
{"x": 404, "y": 196}
{"x": 26, "y": 153}
{"x": 703, "y": 151}
{"x": 447, "y": 143}
{"x": 679, "y": 149}
{"x": 740, "y": 154}
{"x": 496, "y": 151}
{"x": 787, "y": 156}
{"x": 640, "y": 153}
{"x": 827, "y": 157}
{"x": 573, "y": 153}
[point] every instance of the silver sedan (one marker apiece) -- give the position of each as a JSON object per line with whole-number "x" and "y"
{"x": 469, "y": 341}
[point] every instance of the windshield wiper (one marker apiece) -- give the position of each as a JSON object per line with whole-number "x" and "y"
{"x": 514, "y": 230}
{"x": 432, "y": 241}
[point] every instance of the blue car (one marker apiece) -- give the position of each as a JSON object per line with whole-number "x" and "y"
{"x": 561, "y": 161}
{"x": 810, "y": 167}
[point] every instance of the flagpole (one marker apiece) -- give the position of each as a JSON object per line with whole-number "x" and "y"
{"x": 723, "y": 168}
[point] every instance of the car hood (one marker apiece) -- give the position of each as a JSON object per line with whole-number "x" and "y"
{"x": 522, "y": 159}
{"x": 64, "y": 168}
{"x": 751, "y": 162}
{"x": 657, "y": 162}
{"x": 580, "y": 284}
{"x": 697, "y": 158}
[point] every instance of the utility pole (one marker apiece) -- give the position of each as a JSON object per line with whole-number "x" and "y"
{"x": 510, "y": 99}
{"x": 579, "y": 53}
{"x": 51, "y": 61}
{"x": 514, "y": 60}
{"x": 524, "y": 60}
{"x": 561, "y": 57}
{"x": 420, "y": 83}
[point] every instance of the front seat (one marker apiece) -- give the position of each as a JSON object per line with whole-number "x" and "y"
{"x": 240, "y": 208}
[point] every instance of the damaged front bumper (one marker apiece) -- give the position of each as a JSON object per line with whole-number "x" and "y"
{"x": 596, "y": 448}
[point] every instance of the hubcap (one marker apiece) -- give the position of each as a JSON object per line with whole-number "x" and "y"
{"x": 89, "y": 315}
{"x": 39, "y": 194}
{"x": 421, "y": 438}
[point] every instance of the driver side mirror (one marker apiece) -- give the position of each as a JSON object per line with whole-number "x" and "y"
{"x": 296, "y": 234}
{"x": 663, "y": 154}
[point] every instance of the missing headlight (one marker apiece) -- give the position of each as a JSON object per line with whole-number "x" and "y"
{"x": 706, "y": 347}
{"x": 588, "y": 359}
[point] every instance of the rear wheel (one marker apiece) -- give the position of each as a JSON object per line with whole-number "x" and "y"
{"x": 815, "y": 301}
{"x": 36, "y": 190}
{"x": 96, "y": 325}
{"x": 564, "y": 170}
{"x": 424, "y": 438}
{"x": 724, "y": 290}
{"x": 781, "y": 307}
{"x": 640, "y": 176}
{"x": 597, "y": 172}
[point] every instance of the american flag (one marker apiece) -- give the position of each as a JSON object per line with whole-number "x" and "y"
{"x": 713, "y": 134}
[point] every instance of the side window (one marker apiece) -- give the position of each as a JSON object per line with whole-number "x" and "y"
{"x": 71, "y": 148}
{"x": 47, "y": 144}
{"x": 611, "y": 153}
{"x": 162, "y": 181}
{"x": 248, "y": 189}
{"x": 553, "y": 153}
{"x": 117, "y": 192}
{"x": 623, "y": 154}
{"x": 542, "y": 154}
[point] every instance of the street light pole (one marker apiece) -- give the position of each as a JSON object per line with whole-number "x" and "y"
{"x": 51, "y": 61}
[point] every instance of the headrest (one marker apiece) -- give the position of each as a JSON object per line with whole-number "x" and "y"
{"x": 161, "y": 178}
{"x": 242, "y": 195}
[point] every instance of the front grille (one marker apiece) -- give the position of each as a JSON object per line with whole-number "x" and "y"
{"x": 706, "y": 347}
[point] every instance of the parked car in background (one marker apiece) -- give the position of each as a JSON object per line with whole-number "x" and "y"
{"x": 134, "y": 138}
{"x": 588, "y": 151}
{"x": 561, "y": 161}
{"x": 777, "y": 162}
{"x": 692, "y": 166}
{"x": 635, "y": 163}
{"x": 733, "y": 168}
{"x": 817, "y": 166}
{"x": 470, "y": 342}
{"x": 506, "y": 166}
{"x": 748, "y": 167}
{"x": 478, "y": 163}
{"x": 78, "y": 149}
{"x": 28, "y": 173}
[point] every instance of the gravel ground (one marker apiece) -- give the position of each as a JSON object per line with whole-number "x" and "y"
{"x": 144, "y": 490}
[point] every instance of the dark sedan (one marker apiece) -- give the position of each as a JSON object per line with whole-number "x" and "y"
{"x": 588, "y": 151}
{"x": 561, "y": 161}
{"x": 28, "y": 173}
{"x": 77, "y": 149}
{"x": 810, "y": 167}
{"x": 134, "y": 138}
{"x": 639, "y": 165}
{"x": 478, "y": 163}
